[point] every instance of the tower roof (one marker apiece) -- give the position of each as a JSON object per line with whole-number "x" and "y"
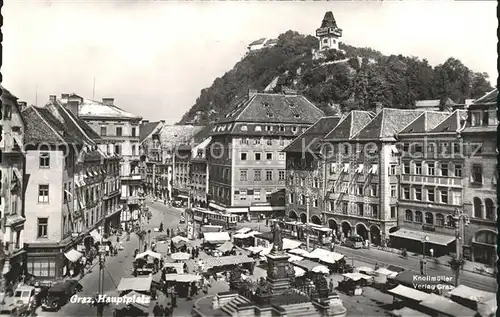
{"x": 329, "y": 21}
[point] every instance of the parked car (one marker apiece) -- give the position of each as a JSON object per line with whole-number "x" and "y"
{"x": 60, "y": 293}
{"x": 354, "y": 242}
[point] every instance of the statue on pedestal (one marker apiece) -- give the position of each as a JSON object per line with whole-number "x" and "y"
{"x": 277, "y": 238}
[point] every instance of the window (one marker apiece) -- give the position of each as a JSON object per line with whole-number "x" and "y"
{"x": 118, "y": 150}
{"x": 269, "y": 128}
{"x": 243, "y": 176}
{"x": 281, "y": 156}
{"x": 345, "y": 207}
{"x": 7, "y": 111}
{"x": 43, "y": 193}
{"x": 392, "y": 170}
{"x": 256, "y": 141}
{"x": 393, "y": 190}
{"x": 406, "y": 168}
{"x": 294, "y": 129}
{"x": 373, "y": 190}
{"x": 429, "y": 218}
{"x": 291, "y": 198}
{"x": 457, "y": 198}
{"x": 477, "y": 174}
{"x": 244, "y": 128}
{"x": 408, "y": 215}
{"x": 269, "y": 156}
{"x": 256, "y": 194}
{"x": 439, "y": 220}
{"x": 269, "y": 194}
{"x": 269, "y": 175}
{"x": 418, "y": 168}
{"x": 302, "y": 181}
{"x": 302, "y": 199}
{"x": 393, "y": 212}
{"x": 430, "y": 168}
{"x": 490, "y": 209}
{"x": 243, "y": 194}
{"x": 103, "y": 131}
{"x": 257, "y": 156}
{"x": 44, "y": 160}
{"x": 281, "y": 175}
{"x": 244, "y": 141}
{"x": 359, "y": 207}
{"x": 258, "y": 128}
{"x": 449, "y": 221}
{"x": 43, "y": 226}
{"x": 269, "y": 142}
{"x": 444, "y": 196}
{"x": 375, "y": 211}
{"x": 243, "y": 156}
{"x": 118, "y": 131}
{"x": 282, "y": 128}
{"x": 458, "y": 170}
{"x": 418, "y": 216}
{"x": 430, "y": 194}
{"x": 418, "y": 193}
{"x": 360, "y": 190}
{"x": 291, "y": 180}
{"x": 133, "y": 149}
{"x": 133, "y": 131}
{"x": 406, "y": 193}
{"x": 316, "y": 183}
{"x": 444, "y": 169}
{"x": 315, "y": 203}
{"x": 478, "y": 208}
{"x": 256, "y": 175}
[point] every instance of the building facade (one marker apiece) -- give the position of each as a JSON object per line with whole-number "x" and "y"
{"x": 305, "y": 173}
{"x": 431, "y": 182}
{"x": 247, "y": 167}
{"x": 329, "y": 33}
{"x": 154, "y": 166}
{"x": 12, "y": 193}
{"x": 200, "y": 174}
{"x": 480, "y": 180}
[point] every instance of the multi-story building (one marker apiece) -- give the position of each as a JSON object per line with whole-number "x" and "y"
{"x": 199, "y": 168}
{"x": 480, "y": 180}
{"x": 431, "y": 182}
{"x": 63, "y": 187}
{"x": 247, "y": 167}
{"x": 119, "y": 131}
{"x": 111, "y": 196}
{"x": 305, "y": 173}
{"x": 154, "y": 166}
{"x": 363, "y": 172}
{"x": 182, "y": 171}
{"x": 12, "y": 194}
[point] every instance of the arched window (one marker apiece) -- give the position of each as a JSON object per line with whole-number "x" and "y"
{"x": 449, "y": 221}
{"x": 429, "y": 218}
{"x": 439, "y": 220}
{"x": 418, "y": 216}
{"x": 478, "y": 208}
{"x": 490, "y": 209}
{"x": 408, "y": 215}
{"x": 486, "y": 237}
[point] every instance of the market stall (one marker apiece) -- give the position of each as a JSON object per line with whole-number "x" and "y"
{"x": 148, "y": 253}
{"x": 295, "y": 258}
{"x": 216, "y": 237}
{"x": 405, "y": 312}
{"x": 410, "y": 296}
{"x": 334, "y": 261}
{"x": 470, "y": 297}
{"x": 139, "y": 284}
{"x": 180, "y": 256}
{"x": 354, "y": 283}
{"x": 301, "y": 252}
{"x": 442, "y": 306}
{"x": 226, "y": 248}
{"x": 171, "y": 267}
{"x": 214, "y": 265}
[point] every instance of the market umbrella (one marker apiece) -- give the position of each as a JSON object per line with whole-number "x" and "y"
{"x": 321, "y": 269}
{"x": 298, "y": 271}
{"x": 180, "y": 256}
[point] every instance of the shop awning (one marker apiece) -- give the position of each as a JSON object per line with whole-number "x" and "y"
{"x": 227, "y": 260}
{"x": 148, "y": 253}
{"x": 420, "y": 236}
{"x": 183, "y": 278}
{"x": 96, "y": 235}
{"x": 216, "y": 237}
{"x": 357, "y": 276}
{"x": 402, "y": 291}
{"x": 179, "y": 267}
{"x": 135, "y": 284}
{"x": 289, "y": 244}
{"x": 237, "y": 210}
{"x": 405, "y": 312}
{"x": 446, "y": 306}
{"x": 326, "y": 256}
{"x": 213, "y": 205}
{"x": 471, "y": 294}
{"x": 267, "y": 208}
{"x": 182, "y": 196}
{"x": 73, "y": 255}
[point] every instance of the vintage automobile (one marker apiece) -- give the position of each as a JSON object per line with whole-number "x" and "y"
{"x": 22, "y": 304}
{"x": 60, "y": 293}
{"x": 355, "y": 242}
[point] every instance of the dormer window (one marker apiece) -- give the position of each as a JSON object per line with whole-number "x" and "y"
{"x": 258, "y": 128}
{"x": 244, "y": 128}
{"x": 294, "y": 129}
{"x": 282, "y": 128}
{"x": 297, "y": 116}
{"x": 269, "y": 128}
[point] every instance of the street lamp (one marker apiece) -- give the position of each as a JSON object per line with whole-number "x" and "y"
{"x": 102, "y": 258}
{"x": 149, "y": 238}
{"x": 458, "y": 218}
{"x": 307, "y": 221}
{"x": 422, "y": 261}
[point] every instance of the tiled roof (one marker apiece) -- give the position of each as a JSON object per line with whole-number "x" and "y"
{"x": 177, "y": 134}
{"x": 202, "y": 134}
{"x": 314, "y": 134}
{"x": 426, "y": 122}
{"x": 73, "y": 126}
{"x": 452, "y": 123}
{"x": 37, "y": 129}
{"x": 387, "y": 123}
{"x": 146, "y": 128}
{"x": 92, "y": 108}
{"x": 490, "y": 97}
{"x": 349, "y": 126}
{"x": 329, "y": 21}
{"x": 7, "y": 93}
{"x": 275, "y": 108}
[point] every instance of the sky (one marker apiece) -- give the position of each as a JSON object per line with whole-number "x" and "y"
{"x": 154, "y": 57}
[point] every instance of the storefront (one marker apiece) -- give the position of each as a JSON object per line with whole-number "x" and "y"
{"x": 112, "y": 220}
{"x": 421, "y": 241}
{"x": 266, "y": 211}
{"x": 484, "y": 247}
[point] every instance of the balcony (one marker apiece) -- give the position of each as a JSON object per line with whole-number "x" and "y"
{"x": 432, "y": 180}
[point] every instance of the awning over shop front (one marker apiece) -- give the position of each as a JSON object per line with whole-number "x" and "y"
{"x": 73, "y": 255}
{"x": 135, "y": 284}
{"x": 420, "y": 236}
{"x": 214, "y": 205}
{"x": 182, "y": 196}
{"x": 237, "y": 210}
{"x": 96, "y": 235}
{"x": 267, "y": 208}
{"x": 404, "y": 292}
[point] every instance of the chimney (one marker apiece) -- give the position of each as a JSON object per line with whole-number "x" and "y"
{"x": 73, "y": 106}
{"x": 52, "y": 98}
{"x": 251, "y": 93}
{"x": 22, "y": 104}
{"x": 65, "y": 96}
{"x": 108, "y": 101}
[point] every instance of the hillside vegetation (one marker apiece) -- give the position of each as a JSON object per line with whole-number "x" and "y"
{"x": 354, "y": 78}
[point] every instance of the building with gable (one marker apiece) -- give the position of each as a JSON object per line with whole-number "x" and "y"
{"x": 247, "y": 167}
{"x": 12, "y": 185}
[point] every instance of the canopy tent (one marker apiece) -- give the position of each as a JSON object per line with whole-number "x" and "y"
{"x": 446, "y": 306}
{"x": 405, "y": 312}
{"x": 226, "y": 246}
{"x": 471, "y": 294}
{"x": 179, "y": 240}
{"x": 408, "y": 293}
{"x": 487, "y": 308}
{"x": 321, "y": 269}
{"x": 227, "y": 260}
{"x": 295, "y": 258}
{"x": 434, "y": 238}
{"x": 133, "y": 294}
{"x": 307, "y": 265}
{"x": 183, "y": 278}
{"x": 179, "y": 267}
{"x": 298, "y": 271}
{"x": 148, "y": 253}
{"x": 96, "y": 235}
{"x": 326, "y": 256}
{"x": 135, "y": 284}
{"x": 384, "y": 271}
{"x": 257, "y": 249}
{"x": 73, "y": 255}
{"x": 301, "y": 252}
{"x": 357, "y": 276}
{"x": 289, "y": 244}
{"x": 216, "y": 237}
{"x": 180, "y": 256}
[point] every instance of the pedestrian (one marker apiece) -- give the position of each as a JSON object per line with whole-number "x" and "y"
{"x": 162, "y": 261}
{"x": 161, "y": 311}
{"x": 168, "y": 311}
{"x": 145, "y": 246}
{"x": 330, "y": 285}
{"x": 174, "y": 301}
{"x": 376, "y": 266}
{"x": 156, "y": 310}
